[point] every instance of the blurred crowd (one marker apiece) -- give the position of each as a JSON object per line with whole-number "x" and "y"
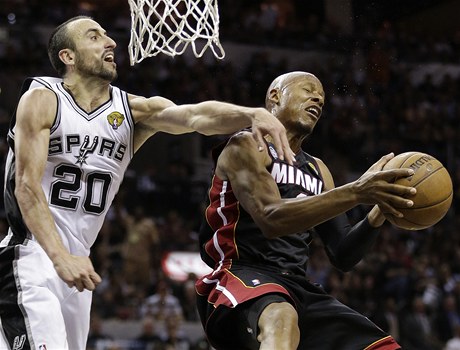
{"x": 376, "y": 102}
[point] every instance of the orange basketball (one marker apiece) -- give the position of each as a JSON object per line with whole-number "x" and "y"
{"x": 434, "y": 190}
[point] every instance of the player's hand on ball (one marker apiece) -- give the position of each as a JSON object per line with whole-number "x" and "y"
{"x": 434, "y": 190}
{"x": 376, "y": 186}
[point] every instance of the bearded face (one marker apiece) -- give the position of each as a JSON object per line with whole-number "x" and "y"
{"x": 91, "y": 66}
{"x": 93, "y": 50}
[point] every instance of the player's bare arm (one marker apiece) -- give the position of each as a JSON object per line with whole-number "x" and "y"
{"x": 208, "y": 118}
{"x": 375, "y": 215}
{"x": 257, "y": 192}
{"x": 381, "y": 194}
{"x": 34, "y": 118}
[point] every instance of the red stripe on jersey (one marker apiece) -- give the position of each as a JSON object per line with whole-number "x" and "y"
{"x": 387, "y": 343}
{"x": 222, "y": 215}
{"x": 224, "y": 288}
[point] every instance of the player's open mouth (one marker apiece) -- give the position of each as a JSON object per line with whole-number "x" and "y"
{"x": 314, "y": 111}
{"x": 109, "y": 57}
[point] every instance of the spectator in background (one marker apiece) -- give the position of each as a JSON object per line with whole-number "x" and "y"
{"x": 140, "y": 248}
{"x": 96, "y": 334}
{"x": 448, "y": 318}
{"x": 454, "y": 342}
{"x": 188, "y": 298}
{"x": 175, "y": 338}
{"x": 387, "y": 317}
{"x": 163, "y": 304}
{"x": 148, "y": 339}
{"x": 417, "y": 328}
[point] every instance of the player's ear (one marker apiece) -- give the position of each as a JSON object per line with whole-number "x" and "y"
{"x": 67, "y": 56}
{"x": 274, "y": 96}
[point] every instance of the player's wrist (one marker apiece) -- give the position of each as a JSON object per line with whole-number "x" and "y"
{"x": 56, "y": 253}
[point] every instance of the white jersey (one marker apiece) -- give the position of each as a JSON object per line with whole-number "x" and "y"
{"x": 87, "y": 158}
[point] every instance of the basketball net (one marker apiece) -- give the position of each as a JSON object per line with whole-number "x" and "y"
{"x": 170, "y": 26}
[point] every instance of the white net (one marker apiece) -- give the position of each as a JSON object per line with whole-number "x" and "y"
{"x": 170, "y": 26}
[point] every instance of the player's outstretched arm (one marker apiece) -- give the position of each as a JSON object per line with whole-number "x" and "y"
{"x": 258, "y": 193}
{"x": 208, "y": 118}
{"x": 34, "y": 118}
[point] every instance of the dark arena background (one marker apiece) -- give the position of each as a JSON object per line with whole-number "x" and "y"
{"x": 391, "y": 74}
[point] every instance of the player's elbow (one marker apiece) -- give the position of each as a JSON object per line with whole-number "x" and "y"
{"x": 270, "y": 225}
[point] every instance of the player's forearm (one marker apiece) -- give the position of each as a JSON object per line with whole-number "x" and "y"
{"x": 295, "y": 215}
{"x": 214, "y": 117}
{"x": 38, "y": 219}
{"x": 346, "y": 245}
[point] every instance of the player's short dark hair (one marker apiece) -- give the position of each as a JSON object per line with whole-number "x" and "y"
{"x": 59, "y": 40}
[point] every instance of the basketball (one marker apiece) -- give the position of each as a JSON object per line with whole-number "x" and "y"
{"x": 434, "y": 190}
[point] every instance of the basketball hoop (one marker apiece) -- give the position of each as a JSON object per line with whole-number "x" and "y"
{"x": 170, "y": 26}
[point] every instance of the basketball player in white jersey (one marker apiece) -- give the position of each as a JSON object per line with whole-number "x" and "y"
{"x": 71, "y": 140}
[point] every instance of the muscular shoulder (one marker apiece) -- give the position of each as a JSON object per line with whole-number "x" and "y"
{"x": 241, "y": 152}
{"x": 243, "y": 138}
{"x": 144, "y": 109}
{"x": 39, "y": 105}
{"x": 41, "y": 96}
{"x": 242, "y": 146}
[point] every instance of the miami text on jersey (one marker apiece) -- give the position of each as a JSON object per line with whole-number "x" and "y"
{"x": 287, "y": 174}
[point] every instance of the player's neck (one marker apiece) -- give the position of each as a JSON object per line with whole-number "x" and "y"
{"x": 295, "y": 142}
{"x": 89, "y": 94}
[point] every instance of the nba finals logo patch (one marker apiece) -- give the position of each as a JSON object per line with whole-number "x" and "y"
{"x": 115, "y": 119}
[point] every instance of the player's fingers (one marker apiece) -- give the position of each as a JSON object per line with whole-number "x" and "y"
{"x": 278, "y": 146}
{"x": 88, "y": 283}
{"x": 289, "y": 154}
{"x": 382, "y": 161}
{"x": 259, "y": 139}
{"x": 388, "y": 209}
{"x": 95, "y": 278}
{"x": 79, "y": 285}
{"x": 385, "y": 210}
{"x": 393, "y": 174}
{"x": 70, "y": 281}
{"x": 390, "y": 204}
{"x": 404, "y": 191}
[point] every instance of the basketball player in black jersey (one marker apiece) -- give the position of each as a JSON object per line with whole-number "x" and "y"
{"x": 261, "y": 216}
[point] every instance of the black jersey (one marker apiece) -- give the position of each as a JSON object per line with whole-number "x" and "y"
{"x": 230, "y": 233}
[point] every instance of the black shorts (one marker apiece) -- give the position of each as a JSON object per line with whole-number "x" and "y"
{"x": 324, "y": 322}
